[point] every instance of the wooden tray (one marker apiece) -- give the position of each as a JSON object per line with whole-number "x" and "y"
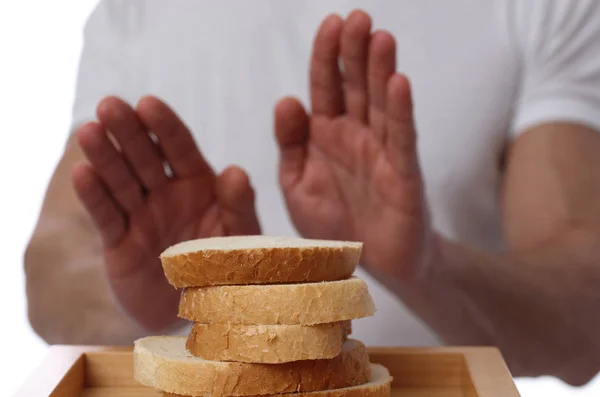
{"x": 69, "y": 371}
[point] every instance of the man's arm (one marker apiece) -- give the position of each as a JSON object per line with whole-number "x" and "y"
{"x": 538, "y": 301}
{"x": 69, "y": 299}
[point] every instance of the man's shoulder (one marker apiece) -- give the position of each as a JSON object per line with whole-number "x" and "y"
{"x": 547, "y": 22}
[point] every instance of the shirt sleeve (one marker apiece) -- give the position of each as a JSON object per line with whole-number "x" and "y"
{"x": 559, "y": 46}
{"x": 107, "y": 64}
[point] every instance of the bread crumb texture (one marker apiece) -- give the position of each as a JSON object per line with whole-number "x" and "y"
{"x": 291, "y": 304}
{"x": 242, "y": 260}
{"x": 271, "y": 344}
{"x": 379, "y": 385}
{"x": 162, "y": 362}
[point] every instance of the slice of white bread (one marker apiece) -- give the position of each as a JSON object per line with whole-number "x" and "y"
{"x": 240, "y": 260}
{"x": 291, "y": 304}
{"x": 163, "y": 362}
{"x": 268, "y": 344}
{"x": 379, "y": 385}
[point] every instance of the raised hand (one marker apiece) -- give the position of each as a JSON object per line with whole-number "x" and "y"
{"x": 139, "y": 209}
{"x": 350, "y": 170}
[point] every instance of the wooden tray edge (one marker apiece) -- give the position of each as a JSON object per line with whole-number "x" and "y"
{"x": 59, "y": 362}
{"x": 486, "y": 368}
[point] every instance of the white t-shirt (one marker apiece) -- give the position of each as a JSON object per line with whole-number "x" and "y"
{"x": 482, "y": 72}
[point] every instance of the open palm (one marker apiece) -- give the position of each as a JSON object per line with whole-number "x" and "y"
{"x": 350, "y": 170}
{"x": 140, "y": 209}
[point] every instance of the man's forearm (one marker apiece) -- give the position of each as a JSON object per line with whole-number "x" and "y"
{"x": 69, "y": 301}
{"x": 539, "y": 307}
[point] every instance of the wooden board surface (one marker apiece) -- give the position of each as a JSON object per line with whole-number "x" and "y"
{"x": 418, "y": 372}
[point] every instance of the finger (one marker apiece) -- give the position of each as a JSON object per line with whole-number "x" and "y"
{"x": 236, "y": 200}
{"x": 175, "y": 139}
{"x": 400, "y": 128}
{"x": 291, "y": 131}
{"x": 325, "y": 78}
{"x": 110, "y": 166}
{"x": 133, "y": 139}
{"x": 109, "y": 221}
{"x": 354, "y": 50}
{"x": 381, "y": 65}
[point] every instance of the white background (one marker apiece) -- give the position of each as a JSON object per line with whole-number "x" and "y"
{"x": 40, "y": 42}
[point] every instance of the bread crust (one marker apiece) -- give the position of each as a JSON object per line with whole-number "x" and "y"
{"x": 291, "y": 304}
{"x": 379, "y": 386}
{"x": 260, "y": 265}
{"x": 268, "y": 344}
{"x": 157, "y": 365}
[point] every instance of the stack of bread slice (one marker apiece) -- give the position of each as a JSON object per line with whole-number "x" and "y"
{"x": 270, "y": 316}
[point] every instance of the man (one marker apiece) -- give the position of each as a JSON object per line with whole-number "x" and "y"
{"x": 478, "y": 208}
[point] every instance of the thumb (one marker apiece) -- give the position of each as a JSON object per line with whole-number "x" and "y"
{"x": 236, "y": 201}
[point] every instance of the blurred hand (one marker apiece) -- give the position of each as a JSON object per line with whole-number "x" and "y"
{"x": 140, "y": 210}
{"x": 350, "y": 171}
